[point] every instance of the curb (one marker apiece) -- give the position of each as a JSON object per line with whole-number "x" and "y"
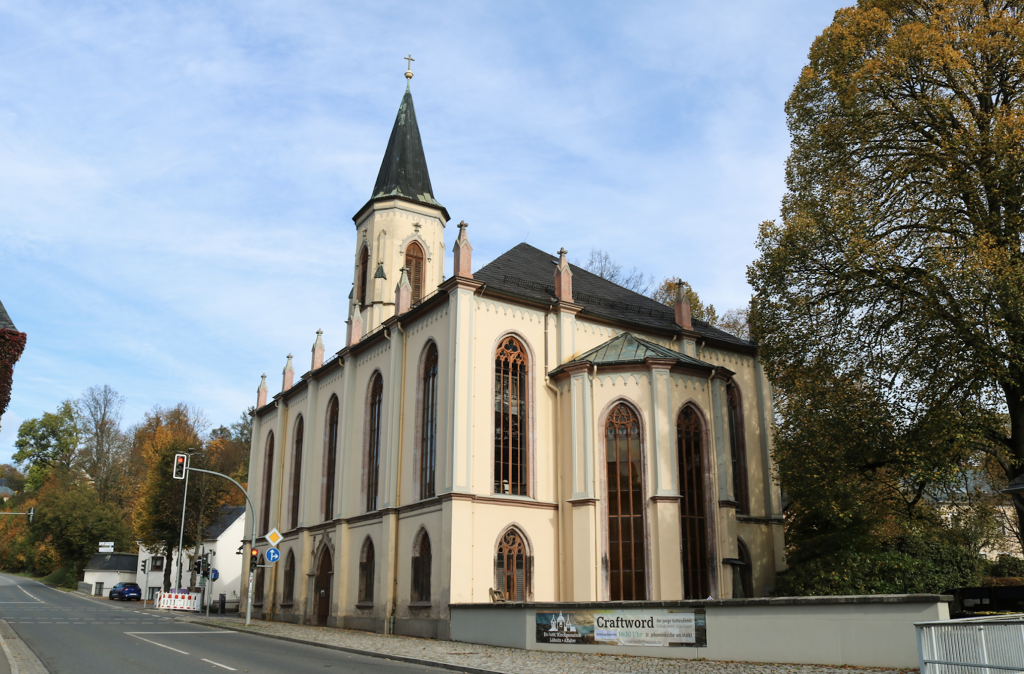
{"x": 355, "y": 651}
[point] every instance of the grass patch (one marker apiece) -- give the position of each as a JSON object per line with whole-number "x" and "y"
{"x": 60, "y": 578}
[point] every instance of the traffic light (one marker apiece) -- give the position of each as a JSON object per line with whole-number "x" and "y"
{"x": 179, "y": 466}
{"x": 31, "y": 514}
{"x": 199, "y": 567}
{"x": 144, "y": 565}
{"x": 254, "y": 559}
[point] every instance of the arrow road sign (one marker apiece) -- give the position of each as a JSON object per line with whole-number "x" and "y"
{"x": 273, "y": 554}
{"x": 214, "y": 574}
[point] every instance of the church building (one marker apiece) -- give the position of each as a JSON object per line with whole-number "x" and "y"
{"x": 522, "y": 432}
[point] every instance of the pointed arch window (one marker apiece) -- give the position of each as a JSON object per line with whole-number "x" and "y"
{"x": 421, "y": 570}
{"x": 428, "y": 440}
{"x": 738, "y": 450}
{"x": 331, "y": 458}
{"x": 511, "y": 422}
{"x": 627, "y": 558}
{"x": 289, "y": 579}
{"x": 373, "y": 442}
{"x": 512, "y": 566}
{"x": 268, "y": 482}
{"x": 690, "y": 444}
{"x": 366, "y": 572}
{"x": 743, "y": 573}
{"x": 363, "y": 276}
{"x": 297, "y": 471}
{"x": 414, "y": 264}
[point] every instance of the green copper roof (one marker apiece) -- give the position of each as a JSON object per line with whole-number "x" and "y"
{"x": 403, "y": 173}
{"x": 627, "y": 348}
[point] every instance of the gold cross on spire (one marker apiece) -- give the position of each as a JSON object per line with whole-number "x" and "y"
{"x": 408, "y": 73}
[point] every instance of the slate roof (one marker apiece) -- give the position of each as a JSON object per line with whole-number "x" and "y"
{"x": 529, "y": 272}
{"x": 628, "y": 348}
{"x": 117, "y": 561}
{"x": 228, "y": 516}
{"x": 403, "y": 172}
{"x": 5, "y": 321}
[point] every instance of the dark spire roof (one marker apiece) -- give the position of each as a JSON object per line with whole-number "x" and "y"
{"x": 5, "y": 321}
{"x": 403, "y": 173}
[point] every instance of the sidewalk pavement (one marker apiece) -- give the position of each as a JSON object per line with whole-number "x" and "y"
{"x": 483, "y": 659}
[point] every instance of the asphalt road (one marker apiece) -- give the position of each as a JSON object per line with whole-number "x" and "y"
{"x": 72, "y": 634}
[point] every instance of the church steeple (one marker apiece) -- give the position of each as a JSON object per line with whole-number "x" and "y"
{"x": 403, "y": 172}
{"x": 402, "y": 225}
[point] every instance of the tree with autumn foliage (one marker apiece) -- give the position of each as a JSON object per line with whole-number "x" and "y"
{"x": 889, "y": 301}
{"x": 164, "y": 433}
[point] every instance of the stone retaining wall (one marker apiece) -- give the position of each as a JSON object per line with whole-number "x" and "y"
{"x": 865, "y": 631}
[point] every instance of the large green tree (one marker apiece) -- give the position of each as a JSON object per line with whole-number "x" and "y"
{"x": 897, "y": 271}
{"x": 72, "y": 519}
{"x": 51, "y": 441}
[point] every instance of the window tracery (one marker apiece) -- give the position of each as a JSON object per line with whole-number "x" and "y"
{"x": 511, "y": 421}
{"x": 690, "y": 445}
{"x": 627, "y": 558}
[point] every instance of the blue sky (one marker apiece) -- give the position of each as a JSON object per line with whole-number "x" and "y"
{"x": 177, "y": 179}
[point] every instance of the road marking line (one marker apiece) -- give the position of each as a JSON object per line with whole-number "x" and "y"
{"x": 207, "y": 632}
{"x": 27, "y": 592}
{"x": 10, "y": 658}
{"x": 156, "y": 644}
{"x": 19, "y": 602}
{"x": 218, "y": 664}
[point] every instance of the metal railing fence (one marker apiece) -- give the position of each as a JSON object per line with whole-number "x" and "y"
{"x": 986, "y": 645}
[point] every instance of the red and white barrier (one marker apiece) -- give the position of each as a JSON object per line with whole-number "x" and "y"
{"x": 178, "y": 601}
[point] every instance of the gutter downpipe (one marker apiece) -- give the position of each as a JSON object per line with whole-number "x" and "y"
{"x": 597, "y": 519}
{"x": 398, "y": 483}
{"x": 558, "y": 463}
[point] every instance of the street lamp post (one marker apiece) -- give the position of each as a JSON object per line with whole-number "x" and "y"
{"x": 181, "y": 536}
{"x": 252, "y": 534}
{"x": 184, "y": 501}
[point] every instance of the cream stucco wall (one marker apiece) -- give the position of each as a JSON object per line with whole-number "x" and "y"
{"x": 563, "y": 518}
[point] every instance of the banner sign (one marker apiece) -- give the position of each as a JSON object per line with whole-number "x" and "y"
{"x": 631, "y": 627}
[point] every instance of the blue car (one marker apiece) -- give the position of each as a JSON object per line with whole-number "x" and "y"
{"x": 126, "y": 592}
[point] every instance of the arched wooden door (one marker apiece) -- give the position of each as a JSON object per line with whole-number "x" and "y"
{"x": 322, "y": 588}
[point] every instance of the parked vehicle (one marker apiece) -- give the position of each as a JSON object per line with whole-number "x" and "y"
{"x": 126, "y": 592}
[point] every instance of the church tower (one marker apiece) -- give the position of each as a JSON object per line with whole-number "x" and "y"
{"x": 402, "y": 225}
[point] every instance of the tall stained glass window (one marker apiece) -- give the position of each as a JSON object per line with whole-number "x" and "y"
{"x": 428, "y": 448}
{"x": 627, "y": 559}
{"x": 690, "y": 443}
{"x": 511, "y": 422}
{"x": 373, "y": 444}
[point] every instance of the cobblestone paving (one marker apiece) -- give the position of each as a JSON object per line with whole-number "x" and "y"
{"x": 515, "y": 661}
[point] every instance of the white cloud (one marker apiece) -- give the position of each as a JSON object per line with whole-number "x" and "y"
{"x": 177, "y": 181}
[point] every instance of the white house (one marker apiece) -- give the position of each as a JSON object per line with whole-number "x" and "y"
{"x": 104, "y": 571}
{"x": 223, "y": 538}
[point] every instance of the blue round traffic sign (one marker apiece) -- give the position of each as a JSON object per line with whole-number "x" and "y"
{"x": 273, "y": 554}
{"x": 214, "y": 574}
